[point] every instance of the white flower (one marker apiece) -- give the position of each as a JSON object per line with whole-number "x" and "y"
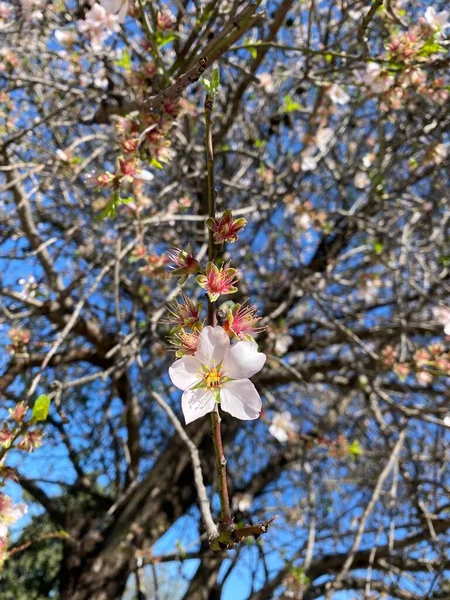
{"x": 323, "y": 138}
{"x": 361, "y": 180}
{"x": 309, "y": 161}
{"x": 65, "y": 38}
{"x": 116, "y": 7}
{"x": 375, "y": 78}
{"x": 266, "y": 82}
{"x": 282, "y": 427}
{"x": 338, "y": 95}
{"x": 144, "y": 175}
{"x": 5, "y": 10}
{"x": 442, "y": 315}
{"x": 282, "y": 344}
{"x": 242, "y": 502}
{"x": 9, "y": 513}
{"x": 219, "y": 372}
{"x": 437, "y": 21}
{"x": 98, "y": 25}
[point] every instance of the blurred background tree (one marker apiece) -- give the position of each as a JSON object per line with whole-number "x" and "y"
{"x": 331, "y": 133}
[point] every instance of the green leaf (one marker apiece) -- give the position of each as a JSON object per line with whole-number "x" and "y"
{"x": 431, "y": 47}
{"x": 215, "y": 80}
{"x": 110, "y": 210}
{"x": 355, "y": 449}
{"x": 125, "y": 61}
{"x": 378, "y": 247}
{"x": 164, "y": 37}
{"x": 212, "y": 85}
{"x": 290, "y": 105}
{"x": 156, "y": 163}
{"x": 41, "y": 408}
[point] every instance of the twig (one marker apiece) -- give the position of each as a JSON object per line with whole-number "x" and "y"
{"x": 196, "y": 465}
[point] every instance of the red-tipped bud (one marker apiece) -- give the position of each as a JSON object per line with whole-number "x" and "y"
{"x": 225, "y": 229}
{"x": 185, "y": 261}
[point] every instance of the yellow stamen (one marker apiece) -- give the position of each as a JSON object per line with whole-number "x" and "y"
{"x": 213, "y": 378}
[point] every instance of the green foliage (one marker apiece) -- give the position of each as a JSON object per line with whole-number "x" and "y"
{"x": 355, "y": 449}
{"x": 212, "y": 85}
{"x": 290, "y": 105}
{"x": 110, "y": 210}
{"x": 33, "y": 574}
{"x": 431, "y": 47}
{"x": 125, "y": 61}
{"x": 41, "y": 408}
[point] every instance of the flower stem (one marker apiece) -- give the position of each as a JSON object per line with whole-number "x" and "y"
{"x": 226, "y": 519}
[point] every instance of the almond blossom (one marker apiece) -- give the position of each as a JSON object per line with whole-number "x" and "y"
{"x": 442, "y": 315}
{"x": 119, "y": 8}
{"x": 226, "y": 229}
{"x": 438, "y": 21}
{"x": 218, "y": 282}
{"x": 375, "y": 78}
{"x": 219, "y": 373}
{"x": 185, "y": 261}
{"x": 338, "y": 95}
{"x": 98, "y": 26}
{"x": 9, "y": 513}
{"x": 282, "y": 427}
{"x": 241, "y": 322}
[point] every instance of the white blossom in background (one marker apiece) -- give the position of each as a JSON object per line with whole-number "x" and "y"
{"x": 361, "y": 180}
{"x": 116, "y": 7}
{"x": 5, "y": 10}
{"x": 282, "y": 427}
{"x": 9, "y": 513}
{"x": 219, "y": 373}
{"x": 242, "y": 502}
{"x": 324, "y": 136}
{"x": 282, "y": 344}
{"x": 29, "y": 287}
{"x": 98, "y": 26}
{"x": 31, "y": 10}
{"x": 338, "y": 95}
{"x": 65, "y": 37}
{"x": 309, "y": 159}
{"x": 442, "y": 316}
{"x": 438, "y": 21}
{"x": 266, "y": 82}
{"x": 377, "y": 80}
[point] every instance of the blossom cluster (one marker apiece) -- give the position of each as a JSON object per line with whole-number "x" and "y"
{"x": 210, "y": 369}
{"x": 17, "y": 432}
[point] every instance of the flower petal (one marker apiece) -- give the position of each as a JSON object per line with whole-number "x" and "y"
{"x": 196, "y": 403}
{"x": 212, "y": 345}
{"x": 243, "y": 360}
{"x": 240, "y": 399}
{"x": 278, "y": 433}
{"x": 185, "y": 372}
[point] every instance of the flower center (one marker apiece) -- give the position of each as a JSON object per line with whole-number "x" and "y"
{"x": 213, "y": 378}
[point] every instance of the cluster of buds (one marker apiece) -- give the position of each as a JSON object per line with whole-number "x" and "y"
{"x": 20, "y": 338}
{"x": 17, "y": 432}
{"x": 184, "y": 314}
{"x": 239, "y": 321}
{"x": 225, "y": 229}
{"x": 426, "y": 364}
{"x": 128, "y": 170}
{"x": 164, "y": 21}
{"x": 154, "y": 266}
